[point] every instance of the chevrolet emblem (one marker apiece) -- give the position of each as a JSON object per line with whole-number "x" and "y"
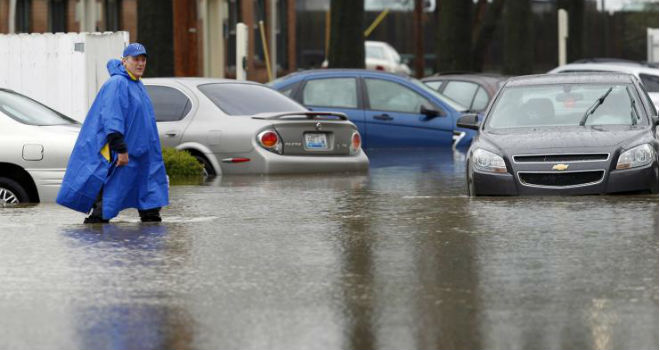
{"x": 560, "y": 167}
{"x": 318, "y": 125}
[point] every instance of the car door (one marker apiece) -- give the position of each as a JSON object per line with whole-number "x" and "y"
{"x": 336, "y": 94}
{"x": 172, "y": 108}
{"x": 393, "y": 117}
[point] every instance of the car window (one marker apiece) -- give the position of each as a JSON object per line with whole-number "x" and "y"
{"x": 650, "y": 82}
{"x": 334, "y": 92}
{"x": 388, "y": 96}
{"x": 375, "y": 52}
{"x": 460, "y": 91}
{"x": 248, "y": 99}
{"x": 435, "y": 85}
{"x": 566, "y": 105}
{"x": 453, "y": 104}
{"x": 169, "y": 103}
{"x": 480, "y": 100}
{"x": 28, "y": 111}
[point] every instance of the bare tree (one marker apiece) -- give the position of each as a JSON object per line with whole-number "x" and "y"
{"x": 346, "y": 34}
{"x": 485, "y": 26}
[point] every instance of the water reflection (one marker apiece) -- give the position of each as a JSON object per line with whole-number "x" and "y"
{"x": 131, "y": 252}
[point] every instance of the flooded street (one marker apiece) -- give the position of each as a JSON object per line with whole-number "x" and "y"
{"x": 396, "y": 258}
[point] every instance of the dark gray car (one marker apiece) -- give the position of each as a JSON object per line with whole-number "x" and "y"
{"x": 582, "y": 133}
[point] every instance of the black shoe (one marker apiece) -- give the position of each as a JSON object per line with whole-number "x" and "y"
{"x": 95, "y": 220}
{"x": 151, "y": 218}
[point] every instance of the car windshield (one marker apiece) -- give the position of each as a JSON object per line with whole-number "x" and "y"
{"x": 566, "y": 105}
{"x": 28, "y": 111}
{"x": 248, "y": 99}
{"x": 453, "y": 104}
{"x": 375, "y": 52}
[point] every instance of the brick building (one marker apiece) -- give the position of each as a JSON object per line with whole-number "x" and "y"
{"x": 199, "y": 35}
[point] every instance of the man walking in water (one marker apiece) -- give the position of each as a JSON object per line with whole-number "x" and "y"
{"x": 117, "y": 161}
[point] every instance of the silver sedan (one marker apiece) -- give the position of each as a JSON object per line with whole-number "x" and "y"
{"x": 34, "y": 149}
{"x": 236, "y": 127}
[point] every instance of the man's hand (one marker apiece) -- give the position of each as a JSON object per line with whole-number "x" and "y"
{"x": 122, "y": 159}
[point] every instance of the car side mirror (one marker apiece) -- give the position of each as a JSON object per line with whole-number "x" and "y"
{"x": 655, "y": 120}
{"x": 469, "y": 121}
{"x": 430, "y": 112}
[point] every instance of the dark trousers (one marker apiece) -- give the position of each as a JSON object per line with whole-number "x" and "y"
{"x": 97, "y": 209}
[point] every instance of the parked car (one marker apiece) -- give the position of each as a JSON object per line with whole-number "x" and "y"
{"x": 648, "y": 75}
{"x": 235, "y": 127}
{"x": 34, "y": 149}
{"x": 472, "y": 90}
{"x": 389, "y": 110}
{"x": 382, "y": 56}
{"x": 579, "y": 133}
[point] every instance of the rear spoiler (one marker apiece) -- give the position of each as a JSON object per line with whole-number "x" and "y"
{"x": 308, "y": 115}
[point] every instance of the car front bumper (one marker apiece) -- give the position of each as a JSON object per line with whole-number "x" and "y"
{"x": 643, "y": 179}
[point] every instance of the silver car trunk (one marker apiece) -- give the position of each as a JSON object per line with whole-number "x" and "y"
{"x": 320, "y": 137}
{"x": 311, "y": 132}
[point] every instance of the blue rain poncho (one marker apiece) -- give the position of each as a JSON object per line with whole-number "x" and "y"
{"x": 121, "y": 106}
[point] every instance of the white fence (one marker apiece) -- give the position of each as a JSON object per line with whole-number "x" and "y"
{"x": 652, "y": 44}
{"x": 62, "y": 71}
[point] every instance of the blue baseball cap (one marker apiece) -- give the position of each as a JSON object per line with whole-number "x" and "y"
{"x": 135, "y": 49}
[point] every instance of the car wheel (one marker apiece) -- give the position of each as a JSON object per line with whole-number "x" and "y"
{"x": 208, "y": 168}
{"x": 11, "y": 192}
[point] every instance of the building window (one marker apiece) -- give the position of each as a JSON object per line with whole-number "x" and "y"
{"x": 112, "y": 15}
{"x": 57, "y": 17}
{"x": 23, "y": 18}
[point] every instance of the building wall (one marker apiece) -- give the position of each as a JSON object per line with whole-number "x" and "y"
{"x": 4, "y": 16}
{"x": 39, "y": 16}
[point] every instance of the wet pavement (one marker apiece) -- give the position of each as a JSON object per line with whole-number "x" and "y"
{"x": 395, "y": 259}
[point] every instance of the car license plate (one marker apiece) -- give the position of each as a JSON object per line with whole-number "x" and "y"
{"x": 316, "y": 141}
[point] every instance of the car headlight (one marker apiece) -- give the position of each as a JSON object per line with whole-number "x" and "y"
{"x": 488, "y": 161}
{"x": 636, "y": 157}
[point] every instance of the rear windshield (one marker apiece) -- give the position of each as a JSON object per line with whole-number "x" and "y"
{"x": 248, "y": 99}
{"x": 28, "y": 111}
{"x": 565, "y": 105}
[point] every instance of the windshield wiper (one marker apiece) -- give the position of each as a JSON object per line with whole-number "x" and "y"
{"x": 599, "y": 101}
{"x": 633, "y": 111}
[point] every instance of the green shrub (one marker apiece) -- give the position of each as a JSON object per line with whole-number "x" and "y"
{"x": 181, "y": 163}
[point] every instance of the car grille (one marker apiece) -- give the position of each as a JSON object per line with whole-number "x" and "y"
{"x": 561, "y": 179}
{"x": 560, "y": 158}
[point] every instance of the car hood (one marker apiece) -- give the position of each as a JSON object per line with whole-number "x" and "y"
{"x": 564, "y": 139}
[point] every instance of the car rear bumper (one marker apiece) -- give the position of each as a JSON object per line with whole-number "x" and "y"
{"x": 644, "y": 179}
{"x": 265, "y": 162}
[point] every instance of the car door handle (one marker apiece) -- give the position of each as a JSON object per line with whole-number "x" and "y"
{"x": 170, "y": 133}
{"x": 383, "y": 117}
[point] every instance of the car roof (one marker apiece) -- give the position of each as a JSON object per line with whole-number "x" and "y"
{"x": 474, "y": 77}
{"x": 570, "y": 78}
{"x": 618, "y": 66}
{"x": 349, "y": 71}
{"x": 197, "y": 80}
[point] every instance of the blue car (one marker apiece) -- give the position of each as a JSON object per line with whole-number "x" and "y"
{"x": 389, "y": 110}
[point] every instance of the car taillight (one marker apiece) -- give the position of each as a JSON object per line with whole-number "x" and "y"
{"x": 269, "y": 140}
{"x": 356, "y": 142}
{"x": 380, "y": 68}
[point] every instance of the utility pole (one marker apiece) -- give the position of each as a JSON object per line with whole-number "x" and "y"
{"x": 418, "y": 33}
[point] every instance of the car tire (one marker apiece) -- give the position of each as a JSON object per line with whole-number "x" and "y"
{"x": 468, "y": 180}
{"x": 11, "y": 192}
{"x": 208, "y": 168}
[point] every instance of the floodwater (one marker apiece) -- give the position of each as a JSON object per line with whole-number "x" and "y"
{"x": 398, "y": 258}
